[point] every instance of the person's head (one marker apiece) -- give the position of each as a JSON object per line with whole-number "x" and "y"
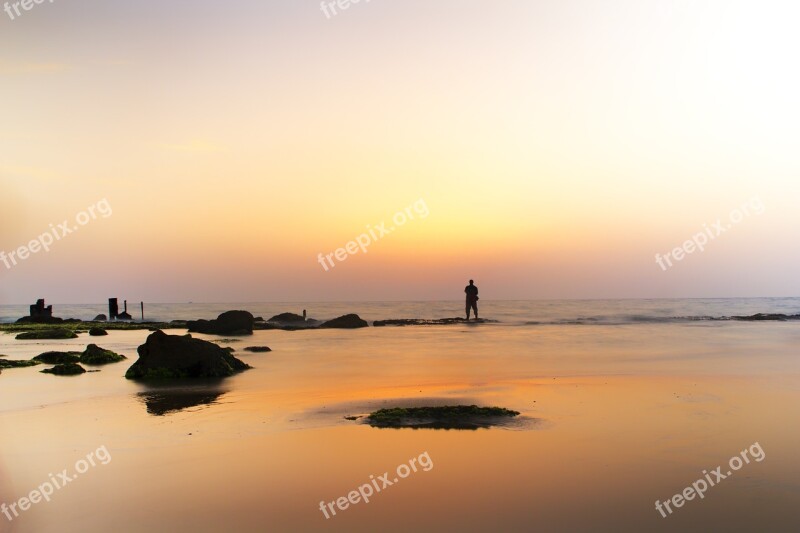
{"x": 471, "y": 282}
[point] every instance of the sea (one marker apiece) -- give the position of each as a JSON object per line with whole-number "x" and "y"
{"x": 506, "y": 312}
{"x": 623, "y": 405}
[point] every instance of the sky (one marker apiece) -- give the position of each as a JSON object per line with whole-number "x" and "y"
{"x": 557, "y": 148}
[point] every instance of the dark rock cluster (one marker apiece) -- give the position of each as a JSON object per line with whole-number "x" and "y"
{"x": 175, "y": 356}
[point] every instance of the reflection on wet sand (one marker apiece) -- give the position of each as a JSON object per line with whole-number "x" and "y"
{"x": 166, "y": 398}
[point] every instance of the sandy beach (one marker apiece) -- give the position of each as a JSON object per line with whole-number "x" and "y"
{"x": 612, "y": 419}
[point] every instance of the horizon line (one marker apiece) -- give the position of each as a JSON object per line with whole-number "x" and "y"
{"x": 425, "y": 301}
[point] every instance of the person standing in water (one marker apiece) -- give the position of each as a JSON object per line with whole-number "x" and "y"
{"x": 472, "y": 298}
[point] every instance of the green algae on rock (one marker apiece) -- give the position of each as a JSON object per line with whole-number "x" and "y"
{"x": 8, "y": 363}
{"x": 58, "y": 358}
{"x": 50, "y": 334}
{"x": 446, "y": 417}
{"x": 94, "y": 355}
{"x": 67, "y": 369}
{"x": 165, "y": 356}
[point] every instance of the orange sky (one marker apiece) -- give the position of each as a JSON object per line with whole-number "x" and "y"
{"x": 558, "y": 148}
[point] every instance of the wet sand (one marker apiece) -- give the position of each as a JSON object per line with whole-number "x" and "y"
{"x": 618, "y": 416}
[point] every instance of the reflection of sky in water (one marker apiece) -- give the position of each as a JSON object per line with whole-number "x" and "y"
{"x": 628, "y": 414}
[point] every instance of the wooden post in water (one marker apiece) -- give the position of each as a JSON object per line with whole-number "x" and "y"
{"x": 142, "y": 311}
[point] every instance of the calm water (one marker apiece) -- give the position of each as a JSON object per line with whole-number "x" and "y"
{"x": 507, "y": 312}
{"x": 617, "y": 415}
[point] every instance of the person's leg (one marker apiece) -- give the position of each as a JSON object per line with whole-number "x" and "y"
{"x": 467, "y": 310}
{"x": 475, "y": 308}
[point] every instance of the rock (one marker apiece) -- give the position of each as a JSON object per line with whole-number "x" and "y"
{"x": 39, "y": 314}
{"x": 58, "y": 358}
{"x": 432, "y": 322}
{"x": 67, "y": 369}
{"x": 40, "y": 320}
{"x": 173, "y": 356}
{"x": 101, "y": 318}
{"x": 776, "y": 317}
{"x": 287, "y": 318}
{"x": 228, "y": 323}
{"x": 257, "y": 349}
{"x": 58, "y": 333}
{"x": 97, "y": 332}
{"x": 94, "y": 355}
{"x": 200, "y": 326}
{"x": 235, "y": 323}
{"x": 446, "y": 417}
{"x": 5, "y": 363}
{"x": 346, "y": 322}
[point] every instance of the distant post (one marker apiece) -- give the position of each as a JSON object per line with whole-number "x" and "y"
{"x": 142, "y": 311}
{"x": 113, "y": 308}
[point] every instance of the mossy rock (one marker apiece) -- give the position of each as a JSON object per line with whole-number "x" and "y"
{"x": 97, "y": 332}
{"x": 94, "y": 355}
{"x": 54, "y": 334}
{"x": 84, "y": 326}
{"x": 258, "y": 349}
{"x": 158, "y": 373}
{"x": 58, "y": 358}
{"x": 6, "y": 363}
{"x": 67, "y": 369}
{"x": 446, "y": 417}
{"x": 165, "y": 356}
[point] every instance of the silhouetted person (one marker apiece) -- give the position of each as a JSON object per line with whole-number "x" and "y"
{"x": 472, "y": 298}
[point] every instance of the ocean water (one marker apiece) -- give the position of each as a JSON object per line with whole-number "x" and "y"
{"x": 523, "y": 312}
{"x": 622, "y": 403}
